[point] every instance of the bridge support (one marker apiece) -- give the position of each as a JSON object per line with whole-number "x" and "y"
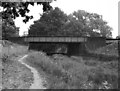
{"x": 76, "y": 49}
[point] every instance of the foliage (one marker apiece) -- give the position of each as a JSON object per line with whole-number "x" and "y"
{"x": 66, "y": 73}
{"x": 14, "y": 74}
{"x": 56, "y": 22}
{"x": 12, "y": 10}
{"x": 50, "y": 23}
{"x": 88, "y": 24}
{"x": 9, "y": 29}
{"x": 110, "y": 50}
{"x": 80, "y": 23}
{"x": 15, "y": 9}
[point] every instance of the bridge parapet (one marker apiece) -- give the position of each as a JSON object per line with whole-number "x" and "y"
{"x": 55, "y": 39}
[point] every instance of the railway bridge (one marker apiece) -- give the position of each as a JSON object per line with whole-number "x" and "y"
{"x": 73, "y": 45}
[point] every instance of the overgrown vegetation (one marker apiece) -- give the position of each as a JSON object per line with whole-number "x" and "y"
{"x": 11, "y": 48}
{"x": 68, "y": 73}
{"x": 110, "y": 50}
{"x": 61, "y": 72}
{"x": 14, "y": 74}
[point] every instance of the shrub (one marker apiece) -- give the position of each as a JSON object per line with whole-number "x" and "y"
{"x": 4, "y": 58}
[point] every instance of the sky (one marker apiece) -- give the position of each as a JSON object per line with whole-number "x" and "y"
{"x": 107, "y": 8}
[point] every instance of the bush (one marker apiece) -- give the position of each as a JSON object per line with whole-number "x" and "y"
{"x": 4, "y": 58}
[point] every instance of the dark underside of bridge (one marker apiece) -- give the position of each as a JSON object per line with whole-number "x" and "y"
{"x": 68, "y": 48}
{"x": 58, "y": 48}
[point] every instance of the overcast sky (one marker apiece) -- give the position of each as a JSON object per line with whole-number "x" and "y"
{"x": 107, "y": 8}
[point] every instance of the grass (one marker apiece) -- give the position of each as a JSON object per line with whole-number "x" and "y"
{"x": 9, "y": 48}
{"x": 62, "y": 72}
{"x": 107, "y": 53}
{"x": 110, "y": 50}
{"x": 14, "y": 74}
{"x": 74, "y": 73}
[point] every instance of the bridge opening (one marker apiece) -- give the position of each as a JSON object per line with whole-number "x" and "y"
{"x": 59, "y": 48}
{"x": 49, "y": 48}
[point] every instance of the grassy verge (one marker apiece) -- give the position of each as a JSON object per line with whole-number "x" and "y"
{"x": 11, "y": 49}
{"x": 14, "y": 74}
{"x": 75, "y": 73}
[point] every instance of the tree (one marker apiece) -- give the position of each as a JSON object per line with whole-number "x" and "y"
{"x": 79, "y": 23}
{"x": 50, "y": 23}
{"x": 73, "y": 27}
{"x": 88, "y": 24}
{"x": 9, "y": 30}
{"x": 15, "y": 9}
{"x": 11, "y": 10}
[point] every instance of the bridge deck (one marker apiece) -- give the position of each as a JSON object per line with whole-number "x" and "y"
{"x": 55, "y": 39}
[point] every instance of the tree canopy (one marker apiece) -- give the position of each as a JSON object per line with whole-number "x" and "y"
{"x": 49, "y": 24}
{"x": 9, "y": 30}
{"x": 88, "y": 24}
{"x": 79, "y": 23}
{"x": 16, "y": 9}
{"x": 54, "y": 22}
{"x": 12, "y": 10}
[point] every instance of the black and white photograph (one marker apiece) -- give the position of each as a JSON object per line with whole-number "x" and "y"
{"x": 59, "y": 44}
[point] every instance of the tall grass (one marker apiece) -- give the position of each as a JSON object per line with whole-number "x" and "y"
{"x": 9, "y": 48}
{"x": 14, "y": 74}
{"x": 66, "y": 73}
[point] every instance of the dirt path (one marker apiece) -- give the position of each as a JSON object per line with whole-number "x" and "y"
{"x": 38, "y": 82}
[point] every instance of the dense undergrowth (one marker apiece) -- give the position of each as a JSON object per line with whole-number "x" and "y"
{"x": 68, "y": 73}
